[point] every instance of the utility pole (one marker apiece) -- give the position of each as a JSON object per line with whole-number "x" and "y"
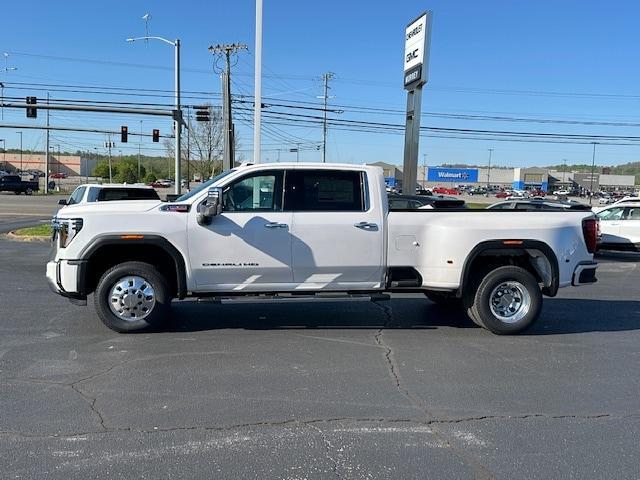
{"x": 593, "y": 167}
{"x": 564, "y": 168}
{"x": 188, "y": 149}
{"x": 20, "y": 133}
{"x": 489, "y": 171}
{"x": 325, "y": 79}
{"x": 5, "y": 69}
{"x": 109, "y": 144}
{"x": 46, "y": 157}
{"x": 226, "y": 50}
{"x": 139, "y": 149}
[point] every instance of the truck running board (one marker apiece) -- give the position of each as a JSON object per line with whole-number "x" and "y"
{"x": 293, "y": 298}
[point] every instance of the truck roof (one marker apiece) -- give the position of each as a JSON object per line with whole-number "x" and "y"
{"x": 314, "y": 165}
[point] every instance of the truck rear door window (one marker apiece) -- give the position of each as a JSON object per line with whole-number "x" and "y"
{"x": 110, "y": 194}
{"x": 324, "y": 190}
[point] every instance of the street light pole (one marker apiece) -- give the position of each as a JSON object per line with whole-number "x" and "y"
{"x": 177, "y": 116}
{"x": 489, "y": 171}
{"x": 177, "y": 121}
{"x": 424, "y": 173}
{"x": 4, "y": 152}
{"x": 257, "y": 100}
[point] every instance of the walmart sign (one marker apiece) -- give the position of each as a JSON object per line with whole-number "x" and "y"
{"x": 456, "y": 175}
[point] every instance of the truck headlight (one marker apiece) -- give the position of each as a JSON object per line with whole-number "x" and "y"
{"x": 65, "y": 229}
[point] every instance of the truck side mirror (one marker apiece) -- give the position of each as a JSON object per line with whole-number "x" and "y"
{"x": 211, "y": 207}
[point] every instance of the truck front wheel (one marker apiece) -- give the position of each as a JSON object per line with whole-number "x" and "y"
{"x": 508, "y": 300}
{"x": 132, "y": 296}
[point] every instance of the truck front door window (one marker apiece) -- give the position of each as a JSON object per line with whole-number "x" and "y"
{"x": 255, "y": 193}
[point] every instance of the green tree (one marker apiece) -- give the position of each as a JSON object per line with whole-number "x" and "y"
{"x": 150, "y": 177}
{"x": 127, "y": 171}
{"x": 101, "y": 169}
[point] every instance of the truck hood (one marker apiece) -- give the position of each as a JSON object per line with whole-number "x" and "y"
{"x": 116, "y": 206}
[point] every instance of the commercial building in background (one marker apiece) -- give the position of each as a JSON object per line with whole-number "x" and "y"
{"x": 68, "y": 164}
{"x": 509, "y": 178}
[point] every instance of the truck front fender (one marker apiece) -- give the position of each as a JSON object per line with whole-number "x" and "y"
{"x": 142, "y": 240}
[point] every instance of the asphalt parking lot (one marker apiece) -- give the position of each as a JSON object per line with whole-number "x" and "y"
{"x": 17, "y": 211}
{"x": 399, "y": 389}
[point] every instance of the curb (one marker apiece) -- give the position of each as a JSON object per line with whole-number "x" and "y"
{"x": 27, "y": 238}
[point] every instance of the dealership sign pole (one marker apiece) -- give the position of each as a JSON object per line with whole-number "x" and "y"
{"x": 417, "y": 39}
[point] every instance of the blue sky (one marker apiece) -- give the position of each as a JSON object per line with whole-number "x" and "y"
{"x": 485, "y": 56}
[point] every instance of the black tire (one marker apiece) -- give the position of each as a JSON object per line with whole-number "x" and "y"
{"x": 28, "y": 191}
{"x": 519, "y": 284}
{"x": 17, "y": 192}
{"x": 444, "y": 299}
{"x": 158, "y": 312}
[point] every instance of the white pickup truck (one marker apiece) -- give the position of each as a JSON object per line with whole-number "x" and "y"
{"x": 293, "y": 231}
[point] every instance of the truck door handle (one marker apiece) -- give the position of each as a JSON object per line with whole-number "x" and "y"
{"x": 275, "y": 225}
{"x": 366, "y": 225}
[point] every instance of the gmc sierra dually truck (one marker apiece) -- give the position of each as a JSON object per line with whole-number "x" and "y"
{"x": 295, "y": 231}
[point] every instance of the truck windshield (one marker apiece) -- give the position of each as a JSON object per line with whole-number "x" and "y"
{"x": 204, "y": 185}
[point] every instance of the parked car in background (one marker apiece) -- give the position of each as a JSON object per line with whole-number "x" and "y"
{"x": 538, "y": 204}
{"x": 561, "y": 192}
{"x": 58, "y": 175}
{"x": 13, "y": 183}
{"x": 89, "y": 193}
{"x": 416, "y": 202}
{"x": 537, "y": 192}
{"x": 445, "y": 191}
{"x": 518, "y": 194}
{"x": 503, "y": 194}
{"x": 423, "y": 191}
{"x": 477, "y": 191}
{"x": 620, "y": 227}
{"x": 161, "y": 183}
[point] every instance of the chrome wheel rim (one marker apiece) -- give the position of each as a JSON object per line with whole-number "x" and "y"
{"x": 132, "y": 298}
{"x": 510, "y": 301}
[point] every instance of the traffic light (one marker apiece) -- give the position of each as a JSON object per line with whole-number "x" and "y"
{"x": 124, "y": 134}
{"x": 156, "y": 135}
{"x": 203, "y": 113}
{"x": 32, "y": 112}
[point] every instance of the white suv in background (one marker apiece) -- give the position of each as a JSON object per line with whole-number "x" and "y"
{"x": 620, "y": 226}
{"x": 93, "y": 192}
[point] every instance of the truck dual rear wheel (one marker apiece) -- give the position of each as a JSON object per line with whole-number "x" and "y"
{"x": 508, "y": 300}
{"x": 132, "y": 296}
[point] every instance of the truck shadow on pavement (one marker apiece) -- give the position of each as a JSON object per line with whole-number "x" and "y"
{"x": 559, "y": 316}
{"x": 611, "y": 256}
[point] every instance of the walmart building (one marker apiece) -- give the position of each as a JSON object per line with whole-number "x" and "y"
{"x": 517, "y": 178}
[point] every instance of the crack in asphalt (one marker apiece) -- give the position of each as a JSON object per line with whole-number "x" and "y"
{"x": 479, "y": 470}
{"x": 313, "y": 421}
{"x": 328, "y": 447}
